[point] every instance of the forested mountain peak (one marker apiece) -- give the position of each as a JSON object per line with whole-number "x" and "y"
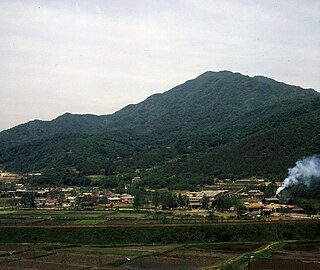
{"x": 213, "y": 97}
{"x": 217, "y": 124}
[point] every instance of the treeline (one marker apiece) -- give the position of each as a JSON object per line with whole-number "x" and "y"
{"x": 58, "y": 177}
{"x": 301, "y": 190}
{"x": 164, "y": 234}
{"x": 308, "y": 197}
{"x": 164, "y": 199}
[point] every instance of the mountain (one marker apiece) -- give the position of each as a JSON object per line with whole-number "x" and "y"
{"x": 215, "y": 105}
{"x": 209, "y": 100}
{"x": 65, "y": 124}
{"x": 219, "y": 124}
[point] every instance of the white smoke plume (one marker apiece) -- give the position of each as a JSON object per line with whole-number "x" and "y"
{"x": 305, "y": 170}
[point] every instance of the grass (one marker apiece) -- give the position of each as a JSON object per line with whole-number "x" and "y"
{"x": 50, "y": 247}
{"x": 3, "y": 253}
{"x": 88, "y": 221}
{"x": 117, "y": 263}
{"x": 7, "y": 212}
{"x": 265, "y": 253}
{"x": 73, "y": 214}
{"x": 98, "y": 214}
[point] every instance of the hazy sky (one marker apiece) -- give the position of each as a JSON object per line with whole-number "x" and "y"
{"x": 98, "y": 56}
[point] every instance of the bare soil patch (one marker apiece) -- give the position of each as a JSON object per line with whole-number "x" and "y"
{"x": 232, "y": 248}
{"x": 177, "y": 260}
{"x": 296, "y": 255}
{"x": 16, "y": 247}
{"x": 270, "y": 264}
{"x": 195, "y": 254}
{"x": 36, "y": 265}
{"x": 103, "y": 251}
{"x": 154, "y": 248}
{"x": 31, "y": 254}
{"x": 79, "y": 259}
{"x": 161, "y": 263}
{"x": 313, "y": 247}
{"x": 293, "y": 256}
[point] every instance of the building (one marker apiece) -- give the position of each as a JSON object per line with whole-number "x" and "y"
{"x": 271, "y": 200}
{"x": 136, "y": 179}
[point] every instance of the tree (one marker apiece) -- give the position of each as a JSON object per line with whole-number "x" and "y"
{"x": 205, "y": 201}
{"x": 27, "y": 200}
{"x": 239, "y": 207}
{"x": 109, "y": 167}
{"x": 168, "y": 200}
{"x": 61, "y": 198}
{"x": 12, "y": 201}
{"x": 270, "y": 190}
{"x": 139, "y": 199}
{"x": 88, "y": 168}
{"x": 156, "y": 199}
{"x": 225, "y": 202}
{"x": 182, "y": 200}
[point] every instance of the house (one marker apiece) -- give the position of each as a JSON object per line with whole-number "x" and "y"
{"x": 40, "y": 201}
{"x": 271, "y": 200}
{"x": 87, "y": 194}
{"x": 71, "y": 199}
{"x": 255, "y": 194}
{"x": 136, "y": 179}
{"x": 8, "y": 174}
{"x": 272, "y": 207}
{"x": 127, "y": 198}
{"x": 51, "y": 202}
{"x": 69, "y": 189}
{"x": 254, "y": 207}
{"x": 114, "y": 199}
{"x": 195, "y": 198}
{"x": 66, "y": 205}
{"x": 195, "y": 205}
{"x": 243, "y": 195}
{"x": 297, "y": 210}
{"x": 195, "y": 202}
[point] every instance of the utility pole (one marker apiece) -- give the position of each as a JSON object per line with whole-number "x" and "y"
{"x": 249, "y": 261}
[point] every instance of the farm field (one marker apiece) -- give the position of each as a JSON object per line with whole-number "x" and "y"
{"x": 85, "y": 217}
{"x": 58, "y": 217}
{"x": 291, "y": 255}
{"x": 295, "y": 256}
{"x": 49, "y": 256}
{"x": 115, "y": 240}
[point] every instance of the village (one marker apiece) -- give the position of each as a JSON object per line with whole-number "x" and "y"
{"x": 243, "y": 198}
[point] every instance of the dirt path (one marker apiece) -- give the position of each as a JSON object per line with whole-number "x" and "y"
{"x": 234, "y": 259}
{"x": 265, "y": 248}
{"x": 148, "y": 224}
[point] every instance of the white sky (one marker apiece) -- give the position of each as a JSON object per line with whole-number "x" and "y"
{"x": 98, "y": 56}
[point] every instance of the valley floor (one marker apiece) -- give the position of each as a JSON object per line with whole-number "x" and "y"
{"x": 262, "y": 255}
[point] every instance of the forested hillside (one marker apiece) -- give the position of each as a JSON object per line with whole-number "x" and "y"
{"x": 64, "y": 124}
{"x": 220, "y": 124}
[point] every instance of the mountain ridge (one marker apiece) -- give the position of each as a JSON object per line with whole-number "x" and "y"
{"x": 224, "y": 74}
{"x": 211, "y": 115}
